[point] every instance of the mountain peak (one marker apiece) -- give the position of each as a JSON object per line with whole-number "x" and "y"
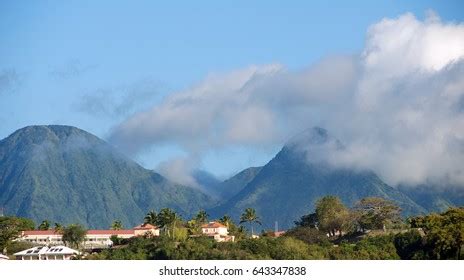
{"x": 67, "y": 175}
{"x": 311, "y": 136}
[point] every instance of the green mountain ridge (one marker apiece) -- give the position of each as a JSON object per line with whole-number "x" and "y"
{"x": 289, "y": 185}
{"x": 67, "y": 175}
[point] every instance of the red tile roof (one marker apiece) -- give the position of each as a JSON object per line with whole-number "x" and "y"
{"x": 213, "y": 225}
{"x": 145, "y": 226}
{"x": 92, "y": 231}
{"x": 40, "y": 232}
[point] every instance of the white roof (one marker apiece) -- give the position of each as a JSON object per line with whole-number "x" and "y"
{"x": 3, "y": 257}
{"x": 44, "y": 250}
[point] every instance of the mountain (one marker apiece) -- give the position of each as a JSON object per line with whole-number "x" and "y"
{"x": 66, "y": 175}
{"x": 435, "y": 198}
{"x": 289, "y": 185}
{"x": 223, "y": 190}
{"x": 236, "y": 183}
{"x": 209, "y": 183}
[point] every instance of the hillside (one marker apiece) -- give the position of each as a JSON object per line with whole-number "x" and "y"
{"x": 290, "y": 184}
{"x": 67, "y": 175}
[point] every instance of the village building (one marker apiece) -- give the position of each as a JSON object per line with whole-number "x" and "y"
{"x": 217, "y": 231}
{"x": 47, "y": 253}
{"x": 96, "y": 238}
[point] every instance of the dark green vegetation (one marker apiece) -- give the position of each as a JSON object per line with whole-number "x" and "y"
{"x": 73, "y": 235}
{"x": 371, "y": 230}
{"x": 291, "y": 183}
{"x": 236, "y": 183}
{"x": 10, "y": 228}
{"x": 386, "y": 236}
{"x": 67, "y": 175}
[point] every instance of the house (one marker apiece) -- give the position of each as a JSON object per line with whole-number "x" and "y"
{"x": 3, "y": 257}
{"x": 145, "y": 229}
{"x": 95, "y": 238}
{"x": 217, "y": 231}
{"x": 47, "y": 253}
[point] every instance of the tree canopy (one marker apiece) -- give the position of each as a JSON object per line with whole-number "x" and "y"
{"x": 74, "y": 235}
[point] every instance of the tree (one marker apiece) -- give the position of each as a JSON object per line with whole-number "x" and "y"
{"x": 444, "y": 233}
{"x": 376, "y": 213}
{"x": 74, "y": 235}
{"x": 309, "y": 220}
{"x": 249, "y": 216}
{"x": 226, "y": 220}
{"x": 45, "y": 225}
{"x": 58, "y": 227}
{"x": 117, "y": 225}
{"x": 168, "y": 220}
{"x": 151, "y": 218}
{"x": 410, "y": 245}
{"x": 332, "y": 215}
{"x": 202, "y": 217}
{"x": 10, "y": 229}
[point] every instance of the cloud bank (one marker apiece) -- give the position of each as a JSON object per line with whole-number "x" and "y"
{"x": 397, "y": 106}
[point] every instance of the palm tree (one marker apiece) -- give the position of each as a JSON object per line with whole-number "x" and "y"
{"x": 226, "y": 220}
{"x": 168, "y": 218}
{"x": 151, "y": 218}
{"x": 249, "y": 216}
{"x": 45, "y": 225}
{"x": 58, "y": 227}
{"x": 116, "y": 225}
{"x": 202, "y": 217}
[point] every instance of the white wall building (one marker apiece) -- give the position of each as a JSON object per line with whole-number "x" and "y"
{"x": 47, "y": 253}
{"x": 217, "y": 231}
{"x": 96, "y": 238}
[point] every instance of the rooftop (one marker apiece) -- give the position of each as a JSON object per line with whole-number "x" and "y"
{"x": 44, "y": 250}
{"x": 213, "y": 225}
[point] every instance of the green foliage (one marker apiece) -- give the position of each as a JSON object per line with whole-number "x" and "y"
{"x": 443, "y": 233}
{"x": 169, "y": 220}
{"x": 202, "y": 217}
{"x": 249, "y": 216}
{"x": 376, "y": 213}
{"x": 10, "y": 229}
{"x": 117, "y": 225}
{"x": 45, "y": 225}
{"x": 151, "y": 218}
{"x": 74, "y": 235}
{"x": 410, "y": 245}
{"x": 370, "y": 248}
{"x": 332, "y": 215}
{"x": 308, "y": 235}
{"x": 309, "y": 220}
{"x": 17, "y": 246}
{"x": 58, "y": 227}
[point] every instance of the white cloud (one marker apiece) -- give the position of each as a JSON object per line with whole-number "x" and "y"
{"x": 180, "y": 170}
{"x": 397, "y": 107}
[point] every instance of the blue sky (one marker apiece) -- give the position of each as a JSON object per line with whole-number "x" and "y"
{"x": 92, "y": 64}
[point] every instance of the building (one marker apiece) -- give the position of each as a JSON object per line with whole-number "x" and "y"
{"x": 3, "y": 257}
{"x": 217, "y": 231}
{"x": 47, "y": 253}
{"x": 95, "y": 238}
